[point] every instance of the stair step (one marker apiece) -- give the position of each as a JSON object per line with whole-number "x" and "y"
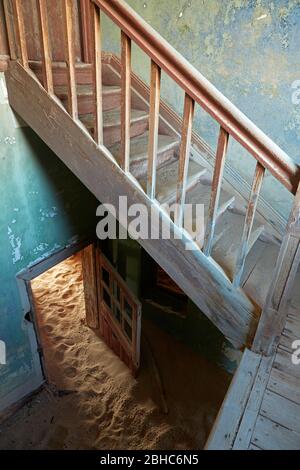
{"x": 111, "y": 96}
{"x": 112, "y": 123}
{"x": 228, "y": 236}
{"x": 200, "y": 194}
{"x": 258, "y": 281}
{"x": 167, "y": 177}
{"x": 139, "y": 152}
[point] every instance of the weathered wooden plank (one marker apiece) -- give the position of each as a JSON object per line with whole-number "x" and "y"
{"x": 250, "y": 214}
{"x": 281, "y": 410}
{"x": 97, "y": 72}
{"x": 285, "y": 384}
{"x": 274, "y": 314}
{"x": 228, "y": 308}
{"x": 69, "y": 33}
{"x": 227, "y": 422}
{"x": 8, "y": 12}
{"x": 215, "y": 190}
{"x": 125, "y": 101}
{"x": 271, "y": 436}
{"x": 184, "y": 155}
{"x": 89, "y": 274}
{"x": 45, "y": 45}
{"x": 20, "y": 33}
{"x": 283, "y": 362}
{"x": 85, "y": 14}
{"x": 250, "y": 415}
{"x": 153, "y": 128}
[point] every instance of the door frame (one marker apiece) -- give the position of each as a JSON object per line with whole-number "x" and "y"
{"x": 24, "y": 279}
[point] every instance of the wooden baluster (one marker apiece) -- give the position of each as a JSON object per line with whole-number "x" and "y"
{"x": 67, "y": 7}
{"x": 273, "y": 317}
{"x": 20, "y": 33}
{"x": 215, "y": 190}
{"x": 45, "y": 43}
{"x": 10, "y": 30}
{"x": 250, "y": 214}
{"x": 86, "y": 25}
{"x": 97, "y": 72}
{"x": 125, "y": 100}
{"x": 153, "y": 128}
{"x": 184, "y": 155}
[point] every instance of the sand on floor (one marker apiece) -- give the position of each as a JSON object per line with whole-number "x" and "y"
{"x": 91, "y": 401}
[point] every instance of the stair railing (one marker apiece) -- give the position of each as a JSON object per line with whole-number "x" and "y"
{"x": 233, "y": 123}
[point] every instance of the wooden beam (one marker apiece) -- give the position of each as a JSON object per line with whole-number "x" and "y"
{"x": 68, "y": 19}
{"x": 89, "y": 274}
{"x": 250, "y": 215}
{"x": 215, "y": 190}
{"x": 229, "y": 309}
{"x": 10, "y": 29}
{"x": 274, "y": 313}
{"x": 86, "y": 29}
{"x": 227, "y": 423}
{"x": 184, "y": 155}
{"x": 45, "y": 46}
{"x": 125, "y": 100}
{"x": 153, "y": 128}
{"x": 20, "y": 33}
{"x": 97, "y": 71}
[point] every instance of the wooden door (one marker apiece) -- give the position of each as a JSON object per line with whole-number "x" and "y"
{"x": 118, "y": 311}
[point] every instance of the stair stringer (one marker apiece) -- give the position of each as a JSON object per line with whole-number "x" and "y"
{"x": 228, "y": 308}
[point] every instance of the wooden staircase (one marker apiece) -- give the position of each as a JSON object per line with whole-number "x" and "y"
{"x": 119, "y": 143}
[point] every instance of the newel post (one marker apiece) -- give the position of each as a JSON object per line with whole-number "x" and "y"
{"x": 274, "y": 314}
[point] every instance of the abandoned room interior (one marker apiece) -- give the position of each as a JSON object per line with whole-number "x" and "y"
{"x": 187, "y": 337}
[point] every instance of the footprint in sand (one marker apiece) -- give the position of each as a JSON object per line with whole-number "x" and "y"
{"x": 70, "y": 372}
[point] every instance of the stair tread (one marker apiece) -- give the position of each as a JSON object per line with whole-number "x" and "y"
{"x": 84, "y": 90}
{"x": 200, "y": 194}
{"x": 259, "y": 280}
{"x": 228, "y": 236}
{"x": 167, "y": 177}
{"x": 139, "y": 146}
{"x": 112, "y": 117}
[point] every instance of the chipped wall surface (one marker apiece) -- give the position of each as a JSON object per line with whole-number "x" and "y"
{"x": 249, "y": 49}
{"x": 43, "y": 209}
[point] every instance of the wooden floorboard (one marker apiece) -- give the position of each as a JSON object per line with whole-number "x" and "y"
{"x": 272, "y": 436}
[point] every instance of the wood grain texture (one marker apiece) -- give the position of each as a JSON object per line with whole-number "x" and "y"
{"x": 89, "y": 274}
{"x": 274, "y": 313}
{"x": 69, "y": 34}
{"x": 45, "y": 46}
{"x": 215, "y": 190}
{"x": 125, "y": 100}
{"x": 153, "y": 128}
{"x": 226, "y": 425}
{"x": 230, "y": 310}
{"x": 19, "y": 27}
{"x": 85, "y": 15}
{"x": 7, "y": 34}
{"x": 184, "y": 155}
{"x": 249, "y": 219}
{"x": 95, "y": 55}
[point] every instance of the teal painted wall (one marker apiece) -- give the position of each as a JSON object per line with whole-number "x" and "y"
{"x": 43, "y": 208}
{"x": 249, "y": 49}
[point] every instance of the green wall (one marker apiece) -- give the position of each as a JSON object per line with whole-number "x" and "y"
{"x": 249, "y": 49}
{"x": 43, "y": 209}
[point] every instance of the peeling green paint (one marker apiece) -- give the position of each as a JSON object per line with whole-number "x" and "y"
{"x": 249, "y": 49}
{"x": 43, "y": 208}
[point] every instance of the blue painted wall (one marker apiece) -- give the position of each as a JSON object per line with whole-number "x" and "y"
{"x": 43, "y": 208}
{"x": 249, "y": 49}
